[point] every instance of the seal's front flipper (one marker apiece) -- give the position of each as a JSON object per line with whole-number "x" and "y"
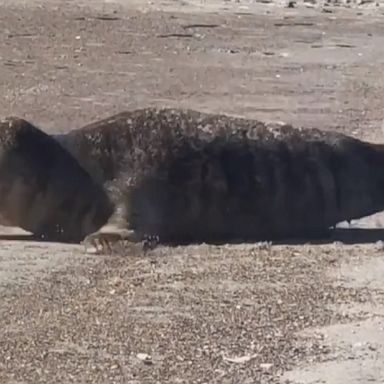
{"x": 101, "y": 242}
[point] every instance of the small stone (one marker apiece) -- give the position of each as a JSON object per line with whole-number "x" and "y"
{"x": 239, "y": 359}
{"x": 147, "y": 359}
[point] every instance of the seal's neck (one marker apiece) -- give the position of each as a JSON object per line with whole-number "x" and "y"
{"x": 93, "y": 152}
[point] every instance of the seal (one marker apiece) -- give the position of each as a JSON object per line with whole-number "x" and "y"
{"x": 186, "y": 176}
{"x": 43, "y": 189}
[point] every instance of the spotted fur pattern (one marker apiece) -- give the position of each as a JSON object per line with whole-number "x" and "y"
{"x": 43, "y": 189}
{"x": 190, "y": 176}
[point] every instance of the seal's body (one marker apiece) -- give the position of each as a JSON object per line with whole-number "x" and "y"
{"x": 189, "y": 176}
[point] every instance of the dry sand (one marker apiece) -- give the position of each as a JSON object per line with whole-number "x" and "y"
{"x": 308, "y": 313}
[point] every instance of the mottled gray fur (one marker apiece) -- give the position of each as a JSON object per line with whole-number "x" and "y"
{"x": 188, "y": 176}
{"x": 43, "y": 189}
